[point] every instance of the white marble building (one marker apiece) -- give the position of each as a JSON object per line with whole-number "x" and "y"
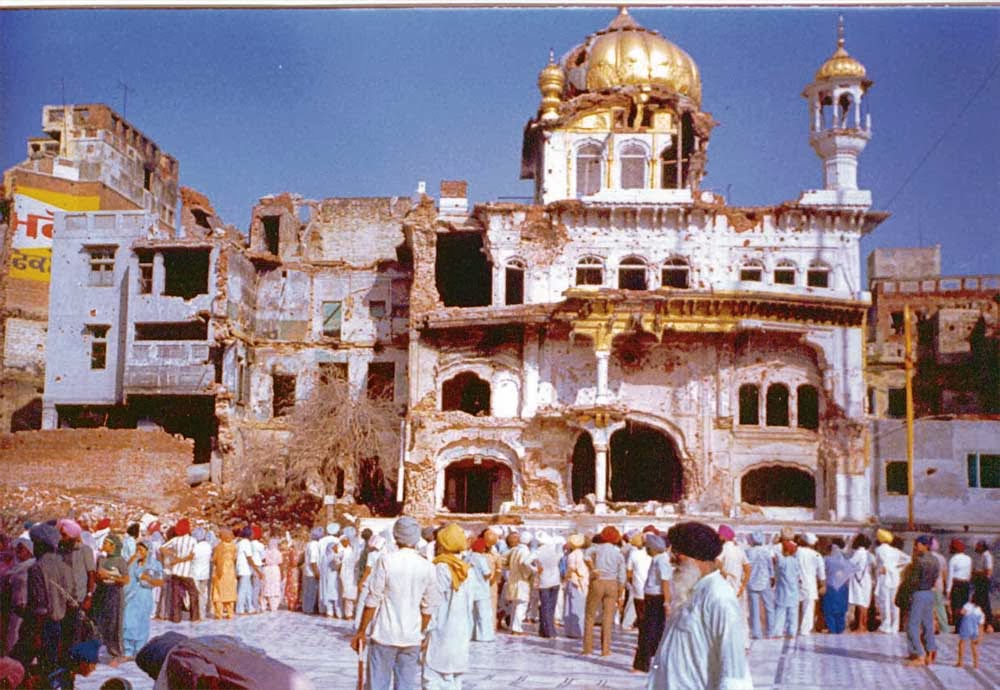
{"x": 630, "y": 341}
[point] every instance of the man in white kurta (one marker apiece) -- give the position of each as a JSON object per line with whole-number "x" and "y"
{"x": 704, "y": 644}
{"x": 450, "y": 629}
{"x": 812, "y": 572}
{"x": 520, "y": 565}
{"x": 889, "y": 564}
{"x": 402, "y": 597}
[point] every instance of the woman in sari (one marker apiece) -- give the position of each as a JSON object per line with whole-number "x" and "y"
{"x": 839, "y": 571}
{"x": 577, "y": 585}
{"x": 144, "y": 573}
{"x": 109, "y": 596}
{"x": 272, "y": 575}
{"x": 224, "y": 575}
{"x": 292, "y": 556}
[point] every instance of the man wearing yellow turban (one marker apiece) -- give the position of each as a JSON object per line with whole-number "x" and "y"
{"x": 450, "y": 630}
{"x": 889, "y": 564}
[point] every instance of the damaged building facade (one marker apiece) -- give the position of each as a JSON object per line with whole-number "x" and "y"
{"x": 630, "y": 341}
{"x": 627, "y": 342}
{"x": 955, "y": 349}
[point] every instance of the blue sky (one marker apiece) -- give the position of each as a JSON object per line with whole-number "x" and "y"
{"x": 367, "y": 102}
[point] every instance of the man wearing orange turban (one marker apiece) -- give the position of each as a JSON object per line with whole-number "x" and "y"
{"x": 450, "y": 631}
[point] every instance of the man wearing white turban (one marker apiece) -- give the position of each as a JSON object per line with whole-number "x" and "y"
{"x": 813, "y": 582}
{"x": 520, "y": 565}
{"x": 402, "y": 597}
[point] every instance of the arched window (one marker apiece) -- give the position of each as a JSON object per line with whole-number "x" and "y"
{"x": 632, "y": 274}
{"x": 777, "y": 405}
{"x": 844, "y": 110}
{"x": 784, "y": 273}
{"x": 818, "y": 275}
{"x": 778, "y": 486}
{"x": 807, "y": 406}
{"x": 752, "y": 272}
{"x": 669, "y": 168}
{"x": 676, "y": 273}
{"x": 633, "y": 166}
{"x": 749, "y": 404}
{"x": 590, "y": 271}
{"x": 514, "y": 282}
{"x": 588, "y": 170}
{"x": 467, "y": 393}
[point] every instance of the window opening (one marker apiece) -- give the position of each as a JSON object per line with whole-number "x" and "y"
{"x": 896, "y": 322}
{"x": 172, "y": 330}
{"x": 984, "y": 471}
{"x": 644, "y": 465}
{"x": 749, "y": 404}
{"x": 582, "y": 472}
{"x": 896, "y": 481}
{"x": 331, "y": 319}
{"x": 777, "y": 405}
{"x": 185, "y": 272}
{"x": 332, "y": 371}
{"x": 818, "y": 276}
{"x": 272, "y": 236}
{"x": 590, "y": 271}
{"x": 676, "y": 274}
{"x": 283, "y": 398}
{"x": 381, "y": 381}
{"x": 102, "y": 266}
{"x": 463, "y": 273}
{"x": 897, "y": 403}
{"x": 376, "y": 308}
{"x": 98, "y": 346}
{"x": 633, "y": 166}
{"x": 632, "y": 274}
{"x": 514, "y": 284}
{"x": 752, "y": 273}
{"x": 784, "y": 274}
{"x": 200, "y": 218}
{"x": 477, "y": 485}
{"x": 807, "y": 407}
{"x": 145, "y": 273}
{"x": 778, "y": 486}
{"x": 147, "y": 179}
{"x": 588, "y": 170}
{"x": 467, "y": 393}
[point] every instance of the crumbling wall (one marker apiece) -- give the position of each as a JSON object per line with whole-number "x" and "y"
{"x": 359, "y": 232}
{"x": 419, "y": 228}
{"x": 143, "y": 466}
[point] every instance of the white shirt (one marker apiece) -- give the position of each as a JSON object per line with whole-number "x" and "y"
{"x": 258, "y": 552}
{"x": 202, "y": 563}
{"x": 180, "y": 547}
{"x": 731, "y": 562}
{"x": 548, "y": 556}
{"x": 244, "y": 553}
{"x": 811, "y": 567}
{"x": 704, "y": 643}
{"x": 959, "y": 568}
{"x": 893, "y": 560}
{"x": 401, "y": 588}
{"x": 313, "y": 557}
{"x": 637, "y": 563}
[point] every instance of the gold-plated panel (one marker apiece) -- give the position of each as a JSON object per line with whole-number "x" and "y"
{"x": 593, "y": 121}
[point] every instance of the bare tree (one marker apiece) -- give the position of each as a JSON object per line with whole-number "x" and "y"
{"x": 343, "y": 437}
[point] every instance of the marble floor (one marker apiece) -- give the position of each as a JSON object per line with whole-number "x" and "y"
{"x": 319, "y": 648}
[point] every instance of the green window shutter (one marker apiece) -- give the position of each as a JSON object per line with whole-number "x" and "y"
{"x": 331, "y": 318}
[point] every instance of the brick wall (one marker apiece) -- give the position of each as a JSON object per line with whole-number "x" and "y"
{"x": 24, "y": 345}
{"x": 139, "y": 466}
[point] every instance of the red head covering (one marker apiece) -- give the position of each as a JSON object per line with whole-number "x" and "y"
{"x": 104, "y": 523}
{"x": 183, "y": 527}
{"x": 256, "y": 531}
{"x": 650, "y": 529}
{"x": 958, "y": 546}
{"x": 726, "y": 532}
{"x": 789, "y": 547}
{"x": 610, "y": 535}
{"x": 153, "y": 528}
{"x": 479, "y": 545}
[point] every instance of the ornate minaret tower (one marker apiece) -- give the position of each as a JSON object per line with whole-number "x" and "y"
{"x": 839, "y": 127}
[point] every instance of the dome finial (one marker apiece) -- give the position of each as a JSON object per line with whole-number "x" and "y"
{"x": 840, "y": 31}
{"x": 552, "y": 56}
{"x": 623, "y": 10}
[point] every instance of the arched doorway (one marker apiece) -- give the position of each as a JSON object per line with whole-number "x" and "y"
{"x": 582, "y": 470}
{"x": 777, "y": 485}
{"x": 477, "y": 485}
{"x": 644, "y": 465}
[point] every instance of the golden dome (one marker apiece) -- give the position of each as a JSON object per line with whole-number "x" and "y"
{"x": 840, "y": 64}
{"x": 626, "y": 54}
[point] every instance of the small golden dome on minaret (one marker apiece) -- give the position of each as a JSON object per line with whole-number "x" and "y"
{"x": 551, "y": 81}
{"x": 840, "y": 64}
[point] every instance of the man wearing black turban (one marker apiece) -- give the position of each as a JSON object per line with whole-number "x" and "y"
{"x": 704, "y": 643}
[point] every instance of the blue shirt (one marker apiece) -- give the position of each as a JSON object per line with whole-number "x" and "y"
{"x": 787, "y": 592}
{"x": 761, "y": 568}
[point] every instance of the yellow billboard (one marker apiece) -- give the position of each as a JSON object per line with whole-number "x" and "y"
{"x": 31, "y": 226}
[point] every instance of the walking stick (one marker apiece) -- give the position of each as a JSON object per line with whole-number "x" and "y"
{"x": 361, "y": 665}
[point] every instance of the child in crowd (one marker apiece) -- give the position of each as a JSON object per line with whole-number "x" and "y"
{"x": 970, "y": 627}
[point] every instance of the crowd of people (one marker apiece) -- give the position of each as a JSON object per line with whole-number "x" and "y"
{"x": 419, "y": 597}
